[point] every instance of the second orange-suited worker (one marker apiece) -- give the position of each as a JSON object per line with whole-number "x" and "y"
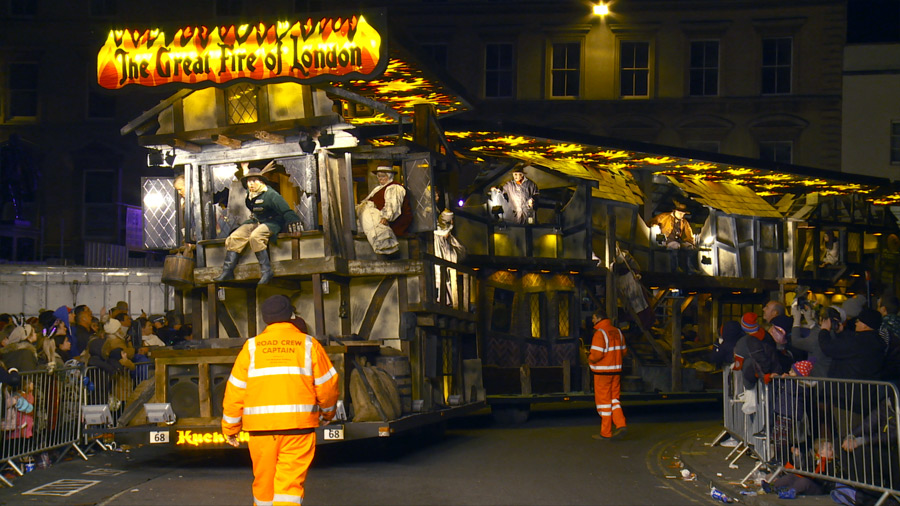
{"x": 605, "y": 360}
{"x": 281, "y": 386}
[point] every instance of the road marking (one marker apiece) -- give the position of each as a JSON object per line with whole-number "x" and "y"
{"x": 104, "y": 472}
{"x": 62, "y": 488}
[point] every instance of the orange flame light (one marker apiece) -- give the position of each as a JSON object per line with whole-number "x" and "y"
{"x": 307, "y": 51}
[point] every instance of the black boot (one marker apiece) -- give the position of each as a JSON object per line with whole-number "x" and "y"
{"x": 231, "y": 260}
{"x": 265, "y": 267}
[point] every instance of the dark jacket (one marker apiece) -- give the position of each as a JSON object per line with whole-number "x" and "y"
{"x": 759, "y": 356}
{"x": 270, "y": 209}
{"x": 21, "y": 355}
{"x": 854, "y": 355}
{"x": 723, "y": 353}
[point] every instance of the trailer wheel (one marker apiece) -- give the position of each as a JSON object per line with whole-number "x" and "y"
{"x": 510, "y": 415}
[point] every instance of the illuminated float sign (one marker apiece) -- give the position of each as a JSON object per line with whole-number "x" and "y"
{"x": 190, "y": 438}
{"x": 317, "y": 49}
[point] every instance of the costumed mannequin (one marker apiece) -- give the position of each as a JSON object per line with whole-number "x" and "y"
{"x": 630, "y": 289}
{"x": 385, "y": 213}
{"x": 447, "y": 247}
{"x": 678, "y": 237}
{"x": 520, "y": 192}
{"x": 269, "y": 214}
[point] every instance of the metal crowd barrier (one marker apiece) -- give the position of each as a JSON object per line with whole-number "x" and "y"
{"x": 844, "y": 431}
{"x": 838, "y": 430}
{"x": 748, "y": 426}
{"x": 108, "y": 395}
{"x": 54, "y": 420}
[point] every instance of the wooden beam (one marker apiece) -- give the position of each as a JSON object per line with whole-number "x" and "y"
{"x": 186, "y": 146}
{"x": 368, "y": 321}
{"x": 228, "y": 142}
{"x": 269, "y": 137}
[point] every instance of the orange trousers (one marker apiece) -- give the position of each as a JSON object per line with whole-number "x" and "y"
{"x": 280, "y": 463}
{"x": 606, "y": 397}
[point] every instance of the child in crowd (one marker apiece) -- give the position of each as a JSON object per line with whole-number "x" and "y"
{"x": 820, "y": 460}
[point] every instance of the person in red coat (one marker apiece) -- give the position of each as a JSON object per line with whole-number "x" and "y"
{"x": 605, "y": 360}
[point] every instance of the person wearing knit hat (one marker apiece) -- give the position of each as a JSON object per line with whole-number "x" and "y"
{"x": 276, "y": 308}
{"x": 853, "y": 306}
{"x": 750, "y": 325}
{"x": 801, "y": 368}
{"x": 755, "y": 354}
{"x": 115, "y": 349}
{"x": 868, "y": 319}
{"x": 282, "y": 386}
{"x": 854, "y": 355}
{"x": 19, "y": 351}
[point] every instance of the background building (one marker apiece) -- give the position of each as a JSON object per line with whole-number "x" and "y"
{"x": 753, "y": 78}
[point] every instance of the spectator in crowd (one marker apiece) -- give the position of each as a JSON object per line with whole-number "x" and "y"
{"x": 852, "y": 308}
{"x": 806, "y": 336}
{"x": 5, "y": 320}
{"x": 121, "y": 307}
{"x": 82, "y": 330}
{"x": 148, "y": 338}
{"x": 755, "y": 354}
{"x": 854, "y": 355}
{"x": 818, "y": 459}
{"x": 779, "y": 326}
{"x": 19, "y": 351}
{"x": 723, "y": 349}
{"x": 890, "y": 333}
{"x": 116, "y": 348}
{"x": 162, "y": 329}
{"x": 21, "y": 402}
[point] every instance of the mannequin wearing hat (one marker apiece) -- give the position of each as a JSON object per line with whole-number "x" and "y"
{"x": 447, "y": 247}
{"x": 269, "y": 214}
{"x": 520, "y": 192}
{"x": 385, "y": 213}
{"x": 678, "y": 237}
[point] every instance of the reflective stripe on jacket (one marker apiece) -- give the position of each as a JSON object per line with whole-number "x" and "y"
{"x": 281, "y": 379}
{"x": 607, "y": 349}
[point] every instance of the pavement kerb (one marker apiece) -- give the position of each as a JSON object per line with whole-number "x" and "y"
{"x": 707, "y": 462}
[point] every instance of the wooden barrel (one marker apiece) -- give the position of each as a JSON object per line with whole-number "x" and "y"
{"x": 178, "y": 271}
{"x": 398, "y": 369}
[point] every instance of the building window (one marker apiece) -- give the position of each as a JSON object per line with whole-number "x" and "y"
{"x": 704, "y": 71}
{"x": 776, "y": 151}
{"x": 634, "y": 68}
{"x": 228, "y": 7}
{"x": 101, "y": 106}
{"x": 101, "y": 192}
{"x": 23, "y": 90}
{"x": 23, "y": 8}
{"x": 436, "y": 53}
{"x": 302, "y": 6}
{"x": 895, "y": 142}
{"x": 776, "y": 66}
{"x": 241, "y": 103}
{"x": 498, "y": 71}
{"x": 565, "y": 69}
{"x": 103, "y": 7}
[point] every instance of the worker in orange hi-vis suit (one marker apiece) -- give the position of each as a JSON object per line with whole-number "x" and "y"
{"x": 281, "y": 386}
{"x": 605, "y": 359}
